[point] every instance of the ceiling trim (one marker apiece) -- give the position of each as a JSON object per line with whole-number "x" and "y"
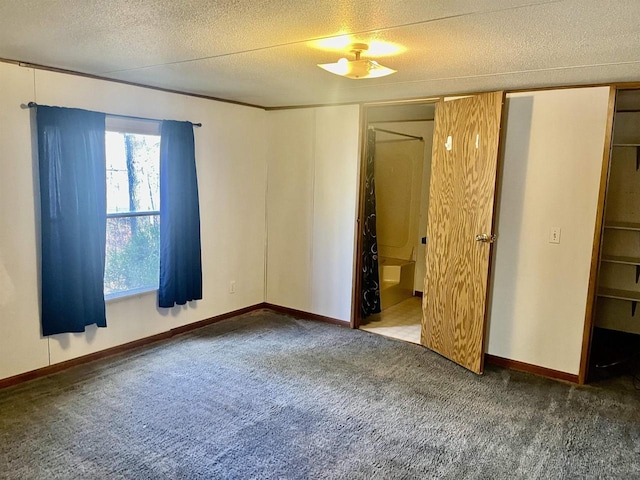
{"x": 432, "y": 98}
{"x": 124, "y": 82}
{"x": 366, "y": 103}
{"x": 313, "y": 105}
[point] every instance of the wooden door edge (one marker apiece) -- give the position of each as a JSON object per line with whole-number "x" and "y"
{"x": 597, "y": 242}
{"x": 496, "y": 211}
{"x": 423, "y": 339}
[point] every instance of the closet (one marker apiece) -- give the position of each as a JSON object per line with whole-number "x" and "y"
{"x": 616, "y": 336}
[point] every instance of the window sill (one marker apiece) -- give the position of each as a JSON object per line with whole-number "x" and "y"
{"x": 113, "y": 297}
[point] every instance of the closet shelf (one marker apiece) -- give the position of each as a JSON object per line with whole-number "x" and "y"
{"x": 623, "y": 226}
{"x": 619, "y": 294}
{"x": 619, "y": 259}
{"x": 626, "y": 144}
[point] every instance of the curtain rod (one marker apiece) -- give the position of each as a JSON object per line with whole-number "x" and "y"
{"x": 34, "y": 104}
{"x": 396, "y": 133}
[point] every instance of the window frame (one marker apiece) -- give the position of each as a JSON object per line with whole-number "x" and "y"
{"x": 135, "y": 126}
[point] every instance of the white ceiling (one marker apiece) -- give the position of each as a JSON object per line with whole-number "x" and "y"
{"x": 259, "y": 51}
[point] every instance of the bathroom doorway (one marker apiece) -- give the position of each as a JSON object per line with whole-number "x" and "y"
{"x": 396, "y": 201}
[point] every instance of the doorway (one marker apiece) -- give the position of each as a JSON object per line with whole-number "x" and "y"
{"x": 400, "y": 141}
{"x": 459, "y": 226}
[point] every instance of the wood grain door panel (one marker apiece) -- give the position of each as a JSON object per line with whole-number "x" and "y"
{"x": 461, "y": 206}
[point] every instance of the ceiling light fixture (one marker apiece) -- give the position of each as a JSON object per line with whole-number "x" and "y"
{"x": 358, "y": 68}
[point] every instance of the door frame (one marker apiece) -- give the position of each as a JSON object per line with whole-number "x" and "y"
{"x": 590, "y": 311}
{"x": 356, "y": 303}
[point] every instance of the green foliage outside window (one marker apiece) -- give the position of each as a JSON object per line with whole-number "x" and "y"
{"x": 133, "y": 255}
{"x": 133, "y": 242}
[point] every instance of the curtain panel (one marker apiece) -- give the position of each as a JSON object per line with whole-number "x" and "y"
{"x": 370, "y": 280}
{"x": 71, "y": 156}
{"x": 180, "y": 248}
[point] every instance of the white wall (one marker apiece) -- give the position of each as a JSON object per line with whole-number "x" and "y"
{"x": 553, "y": 154}
{"x": 335, "y": 193}
{"x": 290, "y": 154}
{"x": 553, "y": 149}
{"x": 313, "y": 158}
{"x": 22, "y": 347}
{"x": 231, "y": 167}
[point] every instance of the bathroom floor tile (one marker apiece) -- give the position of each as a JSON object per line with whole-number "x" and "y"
{"x": 401, "y": 321}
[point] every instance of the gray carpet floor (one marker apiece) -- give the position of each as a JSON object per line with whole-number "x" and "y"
{"x": 269, "y": 396}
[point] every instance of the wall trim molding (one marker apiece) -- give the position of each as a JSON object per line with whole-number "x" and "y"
{"x": 529, "y": 368}
{"x": 306, "y": 315}
{"x": 58, "y": 367}
{"x": 142, "y": 342}
{"x": 108, "y": 352}
{"x": 218, "y": 318}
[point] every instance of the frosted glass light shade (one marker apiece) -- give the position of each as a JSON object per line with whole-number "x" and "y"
{"x": 357, "y": 69}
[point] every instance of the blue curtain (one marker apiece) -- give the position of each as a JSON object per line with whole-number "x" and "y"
{"x": 370, "y": 281}
{"x": 180, "y": 256}
{"x": 71, "y": 153}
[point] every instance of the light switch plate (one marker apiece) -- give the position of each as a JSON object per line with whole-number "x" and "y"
{"x": 554, "y": 234}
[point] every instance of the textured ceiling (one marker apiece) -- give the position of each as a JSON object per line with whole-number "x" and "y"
{"x": 260, "y": 52}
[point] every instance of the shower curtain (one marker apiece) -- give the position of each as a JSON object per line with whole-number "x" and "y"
{"x": 370, "y": 300}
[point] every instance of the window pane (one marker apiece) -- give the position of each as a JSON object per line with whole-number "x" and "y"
{"x": 133, "y": 178}
{"x": 133, "y": 254}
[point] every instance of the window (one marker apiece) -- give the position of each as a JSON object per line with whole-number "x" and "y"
{"x": 133, "y": 206}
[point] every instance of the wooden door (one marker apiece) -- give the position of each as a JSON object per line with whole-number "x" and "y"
{"x": 460, "y": 227}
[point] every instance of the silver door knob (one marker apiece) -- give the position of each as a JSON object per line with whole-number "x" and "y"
{"x": 485, "y": 238}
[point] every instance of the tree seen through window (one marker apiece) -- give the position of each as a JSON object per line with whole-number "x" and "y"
{"x": 133, "y": 217}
